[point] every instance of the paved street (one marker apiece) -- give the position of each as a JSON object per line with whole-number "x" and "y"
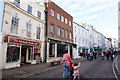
{"x": 94, "y": 69}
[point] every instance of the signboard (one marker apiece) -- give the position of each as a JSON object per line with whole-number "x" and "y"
{"x": 20, "y": 41}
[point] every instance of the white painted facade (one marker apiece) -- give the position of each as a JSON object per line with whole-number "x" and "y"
{"x": 114, "y": 44}
{"x": 25, "y": 18}
{"x": 81, "y": 39}
{"x": 119, "y": 25}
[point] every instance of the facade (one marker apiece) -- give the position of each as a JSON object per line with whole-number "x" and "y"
{"x": 119, "y": 25}
{"x": 59, "y": 35}
{"x": 23, "y": 33}
{"x": 114, "y": 44}
{"x": 1, "y": 18}
{"x": 81, "y": 39}
{"x": 103, "y": 43}
{"x": 108, "y": 44}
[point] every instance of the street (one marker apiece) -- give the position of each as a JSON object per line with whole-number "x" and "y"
{"x": 88, "y": 69}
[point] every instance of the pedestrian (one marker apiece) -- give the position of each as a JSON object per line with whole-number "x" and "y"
{"x": 81, "y": 56}
{"x": 76, "y": 67}
{"x": 66, "y": 64}
{"x": 94, "y": 54}
{"x": 84, "y": 53}
{"x": 91, "y": 56}
{"x": 71, "y": 69}
{"x": 88, "y": 56}
{"x": 107, "y": 55}
{"x": 102, "y": 54}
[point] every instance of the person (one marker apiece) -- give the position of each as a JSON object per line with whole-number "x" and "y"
{"x": 94, "y": 54}
{"x": 76, "y": 70}
{"x": 102, "y": 54}
{"x": 88, "y": 56}
{"x": 81, "y": 55}
{"x": 66, "y": 64}
{"x": 91, "y": 56}
{"x": 71, "y": 69}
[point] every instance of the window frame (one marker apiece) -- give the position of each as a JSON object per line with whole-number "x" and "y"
{"x": 52, "y": 13}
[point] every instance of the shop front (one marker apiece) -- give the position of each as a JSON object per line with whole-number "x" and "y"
{"x": 56, "y": 50}
{"x": 21, "y": 51}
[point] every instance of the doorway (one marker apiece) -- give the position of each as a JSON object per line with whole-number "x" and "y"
{"x": 23, "y": 54}
{"x": 71, "y": 52}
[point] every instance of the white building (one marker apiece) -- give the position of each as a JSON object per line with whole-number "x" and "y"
{"x": 119, "y": 24}
{"x": 81, "y": 39}
{"x": 1, "y": 18}
{"x": 23, "y": 32}
{"x": 108, "y": 44}
{"x": 114, "y": 44}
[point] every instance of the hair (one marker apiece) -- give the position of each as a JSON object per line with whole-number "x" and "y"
{"x": 66, "y": 51}
{"x": 75, "y": 64}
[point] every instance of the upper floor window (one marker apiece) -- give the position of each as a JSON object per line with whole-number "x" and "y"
{"x": 58, "y": 31}
{"x": 62, "y": 32}
{"x": 66, "y": 20}
{"x": 66, "y": 34}
{"x": 38, "y": 33}
{"x": 70, "y": 35}
{"x": 69, "y": 23}
{"x": 29, "y": 9}
{"x": 58, "y": 16}
{"x": 39, "y": 14}
{"x": 52, "y": 12}
{"x": 52, "y": 29}
{"x": 28, "y": 29}
{"x": 17, "y": 3}
{"x": 14, "y": 25}
{"x": 62, "y": 18}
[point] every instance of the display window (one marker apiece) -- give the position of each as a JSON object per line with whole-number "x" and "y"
{"x": 13, "y": 52}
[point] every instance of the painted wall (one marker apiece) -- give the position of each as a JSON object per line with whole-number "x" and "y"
{"x": 1, "y": 12}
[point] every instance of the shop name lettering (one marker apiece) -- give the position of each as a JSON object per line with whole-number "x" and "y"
{"x": 23, "y": 42}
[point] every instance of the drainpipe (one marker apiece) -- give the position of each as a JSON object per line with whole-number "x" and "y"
{"x": 46, "y": 15}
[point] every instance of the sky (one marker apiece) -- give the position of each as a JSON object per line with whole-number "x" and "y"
{"x": 101, "y": 14}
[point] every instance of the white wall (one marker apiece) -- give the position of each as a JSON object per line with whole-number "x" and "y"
{"x": 0, "y": 51}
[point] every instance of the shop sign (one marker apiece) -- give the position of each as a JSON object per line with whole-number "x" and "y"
{"x": 20, "y": 41}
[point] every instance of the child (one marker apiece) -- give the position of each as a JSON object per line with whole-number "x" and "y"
{"x": 76, "y": 69}
{"x": 71, "y": 69}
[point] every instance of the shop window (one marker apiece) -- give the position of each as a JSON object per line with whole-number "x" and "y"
{"x": 52, "y": 50}
{"x": 13, "y": 53}
{"x": 61, "y": 49}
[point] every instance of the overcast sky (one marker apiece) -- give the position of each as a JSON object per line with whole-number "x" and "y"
{"x": 102, "y": 14}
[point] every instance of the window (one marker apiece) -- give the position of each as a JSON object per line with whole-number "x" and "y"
{"x": 69, "y": 23}
{"x": 58, "y": 31}
{"x": 66, "y": 20}
{"x": 62, "y": 18}
{"x": 14, "y": 25}
{"x": 52, "y": 12}
{"x": 70, "y": 35}
{"x": 62, "y": 32}
{"x": 52, "y": 50}
{"x": 29, "y": 9}
{"x": 39, "y": 14}
{"x": 58, "y": 16}
{"x": 38, "y": 33}
{"x": 13, "y": 53}
{"x": 66, "y": 34}
{"x": 52, "y": 29}
{"x": 28, "y": 29}
{"x": 17, "y": 3}
{"x": 75, "y": 39}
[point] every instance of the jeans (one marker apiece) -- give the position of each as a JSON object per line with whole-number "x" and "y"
{"x": 64, "y": 70}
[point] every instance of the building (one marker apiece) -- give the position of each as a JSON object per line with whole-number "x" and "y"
{"x": 59, "y": 32}
{"x": 81, "y": 39}
{"x": 23, "y": 32}
{"x": 119, "y": 25}
{"x": 103, "y": 43}
{"x": 114, "y": 44}
{"x": 1, "y": 18}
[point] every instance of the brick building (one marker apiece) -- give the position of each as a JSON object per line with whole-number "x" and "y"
{"x": 59, "y": 32}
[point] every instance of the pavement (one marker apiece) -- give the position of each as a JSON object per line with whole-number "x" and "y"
{"x": 27, "y": 70}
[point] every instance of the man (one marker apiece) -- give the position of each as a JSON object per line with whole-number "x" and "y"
{"x": 66, "y": 64}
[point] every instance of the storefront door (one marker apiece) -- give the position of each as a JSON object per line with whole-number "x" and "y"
{"x": 23, "y": 54}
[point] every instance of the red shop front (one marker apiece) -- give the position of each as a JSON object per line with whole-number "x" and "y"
{"x": 21, "y": 51}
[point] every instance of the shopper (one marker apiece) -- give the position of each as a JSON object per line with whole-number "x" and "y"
{"x": 66, "y": 64}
